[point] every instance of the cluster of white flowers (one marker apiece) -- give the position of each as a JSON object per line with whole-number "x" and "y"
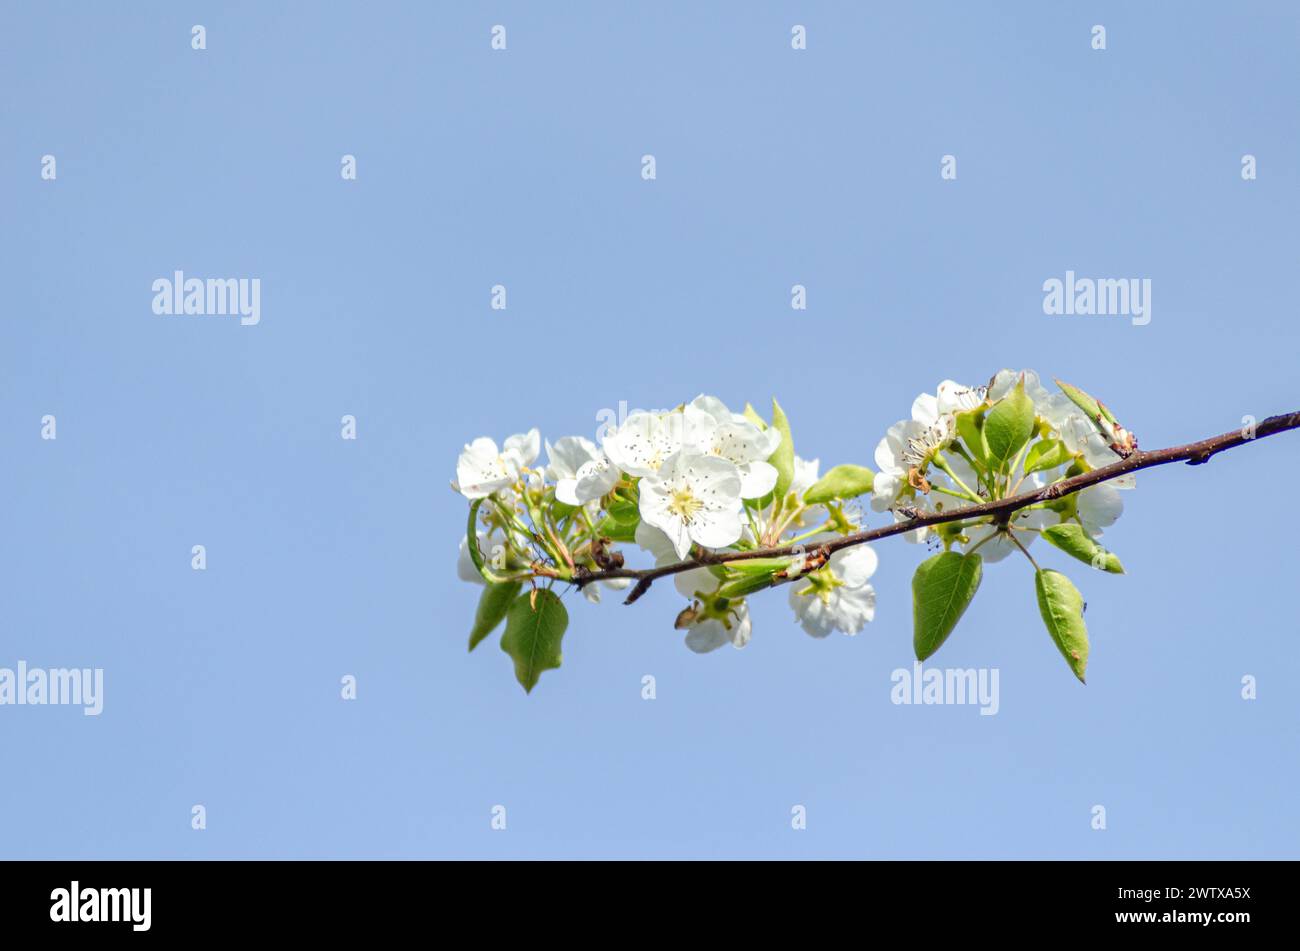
{"x": 915, "y": 471}
{"x": 696, "y": 465}
{"x": 701, "y": 476}
{"x": 703, "y": 482}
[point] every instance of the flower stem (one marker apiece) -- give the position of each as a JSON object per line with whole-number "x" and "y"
{"x": 942, "y": 463}
{"x": 1016, "y": 542}
{"x": 1020, "y": 456}
{"x": 826, "y": 527}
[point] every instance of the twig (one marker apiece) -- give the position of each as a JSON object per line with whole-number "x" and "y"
{"x": 1194, "y": 454}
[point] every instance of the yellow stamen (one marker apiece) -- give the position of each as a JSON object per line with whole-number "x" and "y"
{"x": 684, "y": 504}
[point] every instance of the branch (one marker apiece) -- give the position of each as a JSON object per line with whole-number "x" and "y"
{"x": 1194, "y": 454}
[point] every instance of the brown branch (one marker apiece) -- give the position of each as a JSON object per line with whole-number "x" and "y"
{"x": 1194, "y": 454}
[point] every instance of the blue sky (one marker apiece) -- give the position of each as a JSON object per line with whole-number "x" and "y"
{"x": 522, "y": 167}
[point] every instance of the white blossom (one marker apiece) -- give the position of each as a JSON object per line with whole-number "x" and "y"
{"x": 704, "y": 633}
{"x": 579, "y": 469}
{"x": 836, "y": 597}
{"x": 713, "y": 429}
{"x": 805, "y": 475}
{"x": 891, "y": 468}
{"x": 709, "y": 633}
{"x": 691, "y": 583}
{"x": 955, "y": 398}
{"x": 490, "y": 544}
{"x": 1081, "y": 436}
{"x": 592, "y": 591}
{"x": 693, "y": 498}
{"x": 482, "y": 469}
{"x": 922, "y": 447}
{"x": 1099, "y": 507}
{"x": 645, "y": 442}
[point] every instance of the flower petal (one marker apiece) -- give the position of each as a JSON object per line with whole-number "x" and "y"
{"x": 925, "y": 409}
{"x": 757, "y": 479}
{"x": 525, "y": 447}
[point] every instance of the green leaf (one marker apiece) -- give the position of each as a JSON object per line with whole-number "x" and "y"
{"x": 533, "y": 635}
{"x": 970, "y": 427}
{"x": 1102, "y": 419}
{"x": 617, "y": 531}
{"x": 1009, "y": 425}
{"x": 475, "y": 554}
{"x": 751, "y": 414}
{"x": 756, "y": 566}
{"x": 624, "y": 510}
{"x": 621, "y": 520}
{"x": 1090, "y": 406}
{"x": 942, "y": 589}
{"x": 746, "y": 585}
{"x": 842, "y": 482}
{"x": 1093, "y": 408}
{"x": 783, "y": 458}
{"x": 493, "y": 604}
{"x": 1073, "y": 540}
{"x": 1061, "y": 606}
{"x": 561, "y": 510}
{"x": 1047, "y": 454}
